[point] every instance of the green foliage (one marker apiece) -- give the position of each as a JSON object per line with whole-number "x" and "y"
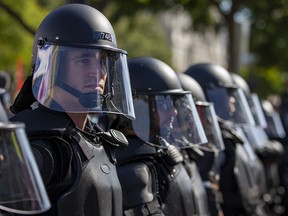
{"x": 269, "y": 39}
{"x": 142, "y": 36}
{"x": 264, "y": 81}
{"x": 139, "y": 32}
{"x": 139, "y": 35}
{"x": 15, "y": 41}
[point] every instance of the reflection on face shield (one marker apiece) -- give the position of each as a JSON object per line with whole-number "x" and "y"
{"x": 85, "y": 74}
{"x": 22, "y": 190}
{"x": 256, "y": 110}
{"x": 1, "y": 159}
{"x": 82, "y": 80}
{"x": 166, "y": 113}
{"x": 231, "y": 105}
{"x": 211, "y": 127}
{"x": 172, "y": 117}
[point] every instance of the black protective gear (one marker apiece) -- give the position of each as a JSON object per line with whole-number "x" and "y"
{"x": 210, "y": 201}
{"x": 162, "y": 184}
{"x": 210, "y": 76}
{"x": 96, "y": 30}
{"x": 200, "y": 193}
{"x": 152, "y": 76}
{"x": 107, "y": 90}
{"x": 190, "y": 84}
{"x": 240, "y": 81}
{"x": 157, "y": 90}
{"x": 74, "y": 165}
{"x": 238, "y": 185}
{"x": 24, "y": 98}
{"x": 160, "y": 189}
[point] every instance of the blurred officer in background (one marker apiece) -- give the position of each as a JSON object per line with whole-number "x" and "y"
{"x": 275, "y": 131}
{"x": 77, "y": 69}
{"x": 151, "y": 170}
{"x": 269, "y": 151}
{"x": 210, "y": 163}
{"x": 239, "y": 188}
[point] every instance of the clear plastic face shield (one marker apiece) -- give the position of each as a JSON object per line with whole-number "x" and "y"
{"x": 211, "y": 127}
{"x": 22, "y": 190}
{"x": 251, "y": 154}
{"x": 256, "y": 110}
{"x": 274, "y": 127}
{"x": 83, "y": 80}
{"x": 255, "y": 135}
{"x": 231, "y": 105}
{"x": 172, "y": 117}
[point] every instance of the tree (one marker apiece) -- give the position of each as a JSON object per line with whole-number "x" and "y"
{"x": 21, "y": 21}
{"x": 18, "y": 23}
{"x": 268, "y": 40}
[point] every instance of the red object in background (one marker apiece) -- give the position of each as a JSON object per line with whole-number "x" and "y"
{"x": 19, "y": 74}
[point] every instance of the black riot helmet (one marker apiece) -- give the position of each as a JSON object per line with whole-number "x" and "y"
{"x": 229, "y": 100}
{"x": 275, "y": 128}
{"x": 77, "y": 62}
{"x": 162, "y": 108}
{"x": 210, "y": 75}
{"x": 206, "y": 113}
{"x": 190, "y": 84}
{"x": 254, "y": 133}
{"x": 75, "y": 25}
{"x": 241, "y": 82}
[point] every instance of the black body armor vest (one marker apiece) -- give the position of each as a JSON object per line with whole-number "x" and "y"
{"x": 237, "y": 182}
{"x": 91, "y": 186}
{"x": 162, "y": 185}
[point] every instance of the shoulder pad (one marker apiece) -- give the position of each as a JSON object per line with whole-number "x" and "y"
{"x": 39, "y": 121}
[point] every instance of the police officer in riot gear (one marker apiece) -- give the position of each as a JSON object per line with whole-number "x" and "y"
{"x": 151, "y": 171}
{"x": 275, "y": 131}
{"x": 237, "y": 183}
{"x": 191, "y": 156}
{"x": 210, "y": 163}
{"x": 269, "y": 151}
{"x": 78, "y": 70}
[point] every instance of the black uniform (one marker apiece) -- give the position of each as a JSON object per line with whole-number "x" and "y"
{"x": 153, "y": 181}
{"x": 78, "y": 168}
{"x": 237, "y": 183}
{"x": 191, "y": 157}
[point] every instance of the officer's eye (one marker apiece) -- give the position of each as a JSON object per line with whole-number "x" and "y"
{"x": 83, "y": 61}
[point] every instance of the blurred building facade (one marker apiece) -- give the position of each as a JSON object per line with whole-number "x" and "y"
{"x": 189, "y": 47}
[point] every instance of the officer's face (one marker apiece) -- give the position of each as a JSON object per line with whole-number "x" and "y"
{"x": 232, "y": 104}
{"x": 166, "y": 115}
{"x": 86, "y": 70}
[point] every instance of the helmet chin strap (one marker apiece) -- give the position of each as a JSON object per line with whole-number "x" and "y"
{"x": 88, "y": 100}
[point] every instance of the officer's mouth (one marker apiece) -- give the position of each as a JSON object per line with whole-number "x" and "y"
{"x": 91, "y": 88}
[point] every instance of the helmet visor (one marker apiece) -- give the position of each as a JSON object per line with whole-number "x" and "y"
{"x": 83, "y": 80}
{"x": 247, "y": 147}
{"x": 170, "y": 117}
{"x": 256, "y": 110}
{"x": 22, "y": 190}
{"x": 255, "y": 135}
{"x": 231, "y": 105}
{"x": 274, "y": 127}
{"x": 211, "y": 127}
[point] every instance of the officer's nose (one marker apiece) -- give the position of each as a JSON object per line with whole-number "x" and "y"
{"x": 98, "y": 70}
